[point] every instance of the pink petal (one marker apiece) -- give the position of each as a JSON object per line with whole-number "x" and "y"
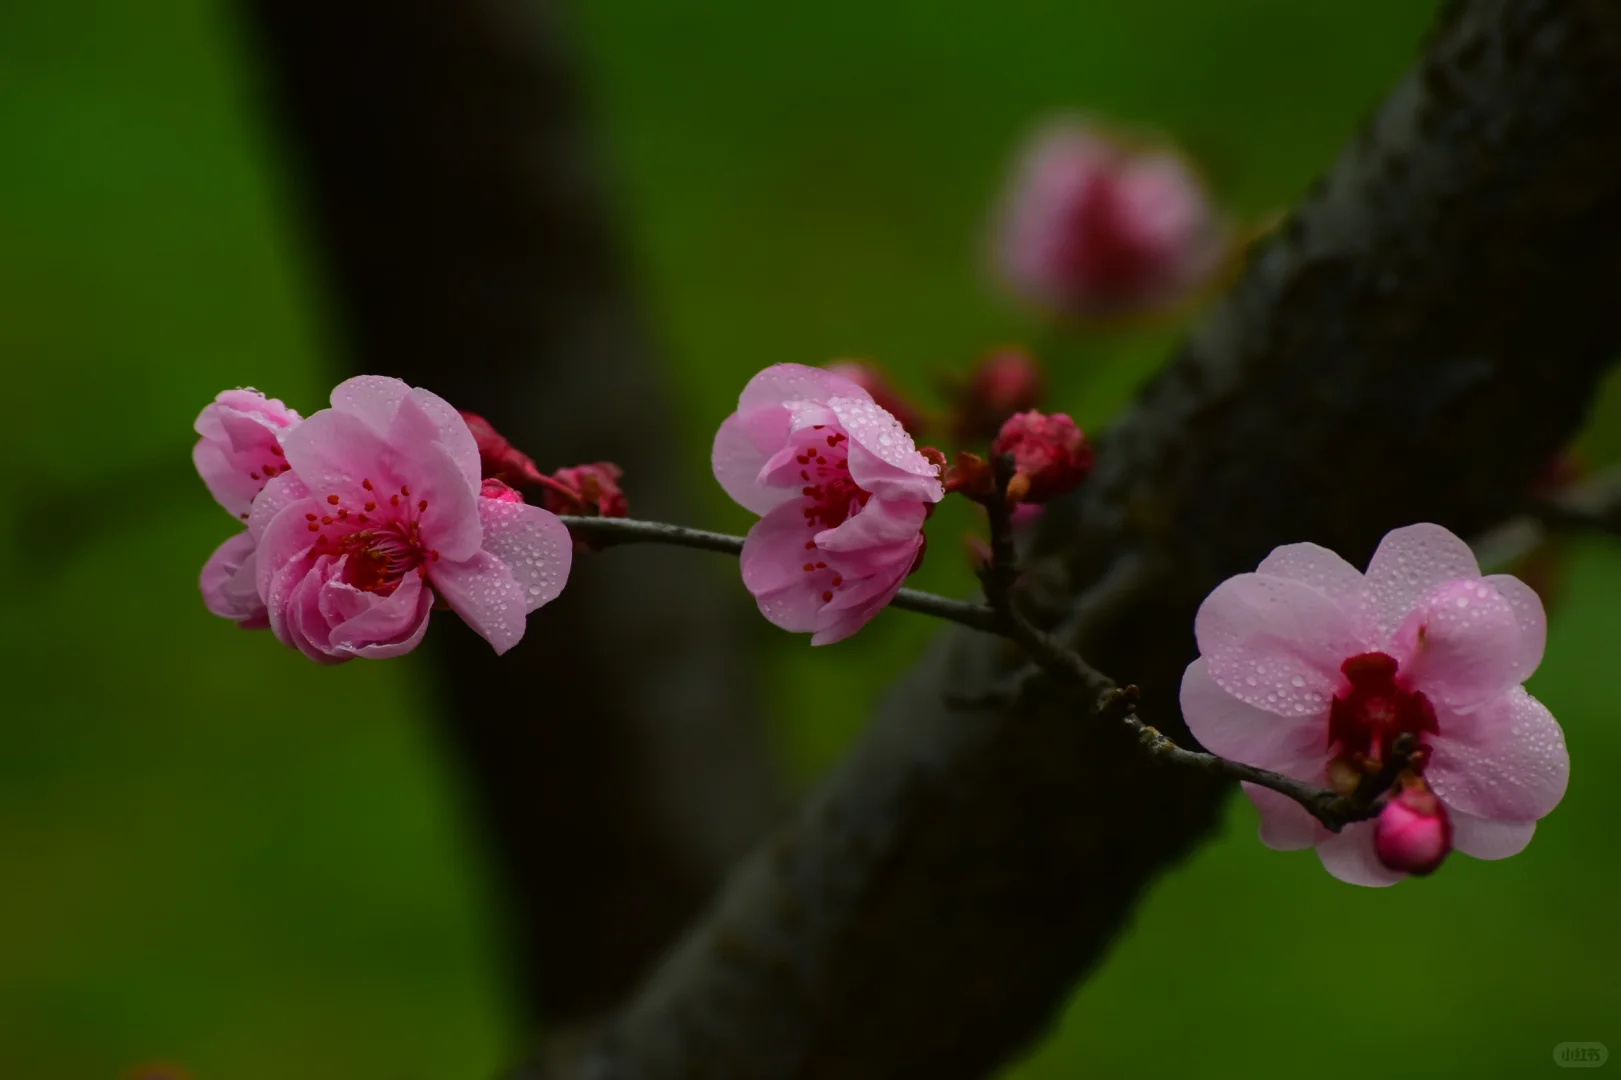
{"x": 334, "y": 452}
{"x": 285, "y": 540}
{"x": 1504, "y": 760}
{"x": 782, "y": 383}
{"x": 535, "y": 547}
{"x": 232, "y": 488}
{"x": 1461, "y": 644}
{"x": 1275, "y": 643}
{"x": 1317, "y": 566}
{"x": 1285, "y": 824}
{"x": 423, "y": 417}
{"x": 1234, "y": 729}
{"x": 774, "y": 551}
{"x": 1349, "y": 856}
{"x": 278, "y": 495}
{"x": 1532, "y": 620}
{"x": 483, "y": 592}
{"x": 883, "y": 459}
{"x": 882, "y": 576}
{"x": 880, "y": 523}
{"x": 450, "y": 523}
{"x": 371, "y": 399}
{"x": 388, "y": 626}
{"x": 1409, "y": 563}
{"x": 848, "y": 623}
{"x": 305, "y": 626}
{"x": 738, "y": 461}
{"x": 229, "y": 581}
{"x": 1485, "y": 839}
{"x": 793, "y": 607}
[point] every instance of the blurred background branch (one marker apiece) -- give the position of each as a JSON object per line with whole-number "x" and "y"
{"x": 459, "y": 217}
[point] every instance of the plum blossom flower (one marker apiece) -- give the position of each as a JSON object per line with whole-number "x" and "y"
{"x": 1091, "y": 226}
{"x": 239, "y": 449}
{"x": 238, "y": 452}
{"x": 1312, "y": 669}
{"x": 381, "y": 513}
{"x": 842, "y": 493}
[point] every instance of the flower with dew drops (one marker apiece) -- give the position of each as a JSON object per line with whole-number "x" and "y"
{"x": 380, "y": 514}
{"x": 842, "y": 493}
{"x": 1311, "y": 669}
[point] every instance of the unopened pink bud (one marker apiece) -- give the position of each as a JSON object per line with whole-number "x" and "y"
{"x": 497, "y": 458}
{"x": 1413, "y": 833}
{"x": 1050, "y": 455}
{"x": 499, "y": 491}
{"x": 885, "y": 396}
{"x": 1096, "y": 226}
{"x": 586, "y": 490}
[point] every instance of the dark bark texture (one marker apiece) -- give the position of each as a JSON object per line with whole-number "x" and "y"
{"x": 1413, "y": 345}
{"x": 459, "y": 219}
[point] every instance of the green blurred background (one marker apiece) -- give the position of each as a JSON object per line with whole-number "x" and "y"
{"x": 216, "y": 853}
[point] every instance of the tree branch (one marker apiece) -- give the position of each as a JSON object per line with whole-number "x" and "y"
{"x": 1450, "y": 282}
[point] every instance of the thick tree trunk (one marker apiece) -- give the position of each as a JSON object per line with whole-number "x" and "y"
{"x": 459, "y": 220}
{"x": 1414, "y": 344}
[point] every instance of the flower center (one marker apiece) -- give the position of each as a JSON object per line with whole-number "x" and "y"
{"x": 381, "y": 539}
{"x": 830, "y": 495}
{"x": 1365, "y": 719}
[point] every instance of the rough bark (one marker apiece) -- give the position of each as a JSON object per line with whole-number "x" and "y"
{"x": 1414, "y": 344}
{"x": 459, "y": 220}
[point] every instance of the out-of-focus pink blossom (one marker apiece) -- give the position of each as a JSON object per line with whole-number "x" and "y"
{"x": 499, "y": 459}
{"x": 239, "y": 449}
{"x": 870, "y": 379}
{"x": 382, "y": 512}
{"x": 842, "y": 491}
{"x": 1309, "y": 668}
{"x": 1092, "y": 226}
{"x": 1049, "y": 453}
{"x": 1412, "y": 833}
{"x": 1004, "y": 382}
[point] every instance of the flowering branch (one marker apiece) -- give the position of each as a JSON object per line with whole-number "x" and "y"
{"x": 1119, "y": 703}
{"x": 611, "y": 531}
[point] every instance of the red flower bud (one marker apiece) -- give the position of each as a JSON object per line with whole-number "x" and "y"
{"x": 1413, "y": 833}
{"x": 497, "y": 458}
{"x": 1005, "y": 382}
{"x": 971, "y": 475}
{"x": 1050, "y": 455}
{"x": 870, "y": 379}
{"x": 586, "y": 491}
{"x": 492, "y": 488}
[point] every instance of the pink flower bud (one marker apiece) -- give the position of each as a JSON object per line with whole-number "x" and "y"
{"x": 1095, "y": 226}
{"x": 1005, "y": 382}
{"x": 1050, "y": 455}
{"x": 496, "y": 489}
{"x": 1413, "y": 833}
{"x": 586, "y": 491}
{"x": 497, "y": 458}
{"x": 870, "y": 379}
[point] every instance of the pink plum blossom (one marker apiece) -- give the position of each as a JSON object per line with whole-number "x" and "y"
{"x": 381, "y": 514}
{"x": 237, "y": 454}
{"x": 1091, "y": 226}
{"x": 1312, "y": 669}
{"x": 239, "y": 451}
{"x": 842, "y": 493}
